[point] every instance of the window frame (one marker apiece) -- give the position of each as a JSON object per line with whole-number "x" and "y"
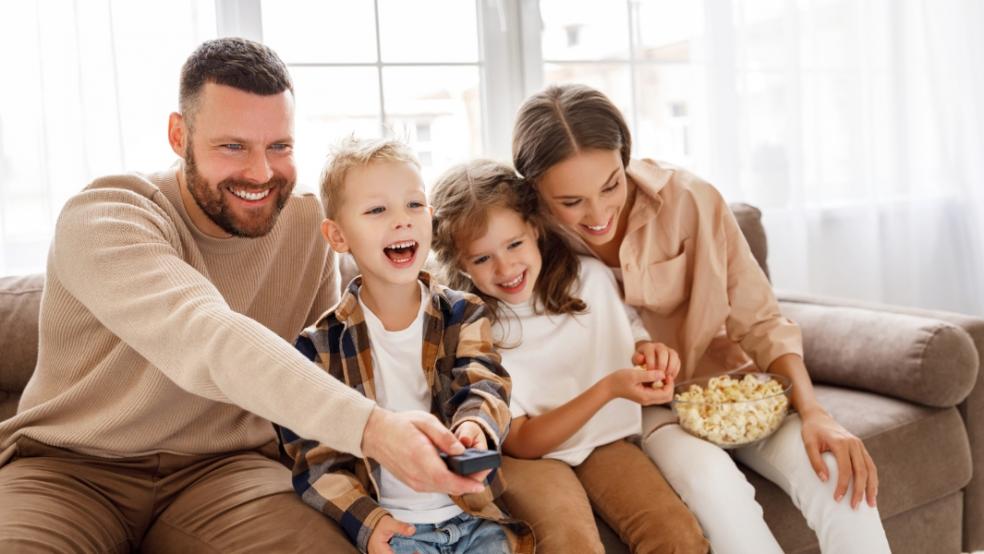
{"x": 506, "y": 71}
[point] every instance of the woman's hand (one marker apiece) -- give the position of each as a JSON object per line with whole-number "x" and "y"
{"x": 821, "y": 433}
{"x": 636, "y": 385}
{"x": 657, "y": 356}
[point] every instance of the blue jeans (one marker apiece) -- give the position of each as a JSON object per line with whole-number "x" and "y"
{"x": 458, "y": 535}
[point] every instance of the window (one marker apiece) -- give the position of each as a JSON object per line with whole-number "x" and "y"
{"x": 371, "y": 67}
{"x": 641, "y": 53}
{"x": 87, "y": 89}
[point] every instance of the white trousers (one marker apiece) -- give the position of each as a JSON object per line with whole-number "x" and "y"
{"x": 716, "y": 491}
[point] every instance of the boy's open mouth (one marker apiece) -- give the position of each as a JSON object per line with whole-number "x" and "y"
{"x": 402, "y": 252}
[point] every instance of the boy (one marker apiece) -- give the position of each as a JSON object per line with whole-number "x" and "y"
{"x": 408, "y": 344}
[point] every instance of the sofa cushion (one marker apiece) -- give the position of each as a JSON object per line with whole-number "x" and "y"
{"x": 922, "y": 455}
{"x": 910, "y": 357}
{"x": 20, "y": 300}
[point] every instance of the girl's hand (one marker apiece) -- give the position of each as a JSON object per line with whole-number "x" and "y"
{"x": 635, "y": 384}
{"x": 385, "y": 530}
{"x": 472, "y": 436}
{"x": 657, "y": 356}
{"x": 822, "y": 434}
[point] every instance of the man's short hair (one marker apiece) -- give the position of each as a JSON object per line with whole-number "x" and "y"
{"x": 235, "y": 62}
{"x": 354, "y": 152}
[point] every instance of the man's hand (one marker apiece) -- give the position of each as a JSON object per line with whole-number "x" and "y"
{"x": 403, "y": 442}
{"x": 384, "y": 531}
{"x": 472, "y": 436}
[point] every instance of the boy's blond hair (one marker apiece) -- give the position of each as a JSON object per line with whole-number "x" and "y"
{"x": 355, "y": 152}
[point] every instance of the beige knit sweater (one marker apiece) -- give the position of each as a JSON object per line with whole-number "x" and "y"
{"x": 157, "y": 338}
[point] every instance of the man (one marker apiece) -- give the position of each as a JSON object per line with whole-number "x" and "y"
{"x": 162, "y": 357}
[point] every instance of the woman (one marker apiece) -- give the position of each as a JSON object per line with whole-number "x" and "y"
{"x": 683, "y": 263}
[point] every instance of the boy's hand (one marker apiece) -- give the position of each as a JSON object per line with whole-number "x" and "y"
{"x": 472, "y": 436}
{"x": 636, "y": 385}
{"x": 657, "y": 356}
{"x": 385, "y": 530}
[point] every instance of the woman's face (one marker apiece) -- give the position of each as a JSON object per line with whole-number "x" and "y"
{"x": 587, "y": 192}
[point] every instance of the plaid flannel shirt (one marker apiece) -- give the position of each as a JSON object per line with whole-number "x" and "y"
{"x": 467, "y": 383}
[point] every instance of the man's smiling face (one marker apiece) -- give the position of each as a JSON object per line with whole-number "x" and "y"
{"x": 239, "y": 161}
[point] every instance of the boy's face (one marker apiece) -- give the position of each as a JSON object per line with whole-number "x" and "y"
{"x": 384, "y": 221}
{"x": 504, "y": 262}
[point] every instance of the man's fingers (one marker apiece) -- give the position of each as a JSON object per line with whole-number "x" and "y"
{"x": 438, "y": 434}
{"x": 429, "y": 474}
{"x": 458, "y": 485}
{"x": 480, "y": 476}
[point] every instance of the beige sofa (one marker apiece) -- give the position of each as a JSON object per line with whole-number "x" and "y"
{"x": 906, "y": 381}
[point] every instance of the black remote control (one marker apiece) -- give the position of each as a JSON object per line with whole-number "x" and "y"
{"x": 472, "y": 461}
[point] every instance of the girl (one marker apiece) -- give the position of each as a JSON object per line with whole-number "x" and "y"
{"x": 683, "y": 262}
{"x": 567, "y": 341}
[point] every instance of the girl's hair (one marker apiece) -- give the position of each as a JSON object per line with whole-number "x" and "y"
{"x": 462, "y": 199}
{"x": 562, "y": 120}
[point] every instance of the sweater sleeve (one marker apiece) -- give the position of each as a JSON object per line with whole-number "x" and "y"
{"x": 118, "y": 254}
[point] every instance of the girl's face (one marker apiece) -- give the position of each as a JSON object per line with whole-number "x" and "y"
{"x": 587, "y": 193}
{"x": 504, "y": 262}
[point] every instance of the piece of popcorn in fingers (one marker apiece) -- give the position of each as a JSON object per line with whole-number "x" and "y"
{"x": 655, "y": 384}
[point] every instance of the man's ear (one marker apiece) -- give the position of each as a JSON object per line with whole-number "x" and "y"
{"x": 177, "y": 133}
{"x": 334, "y": 235}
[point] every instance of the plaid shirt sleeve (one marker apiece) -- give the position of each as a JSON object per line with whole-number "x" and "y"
{"x": 325, "y": 478}
{"x": 480, "y": 385}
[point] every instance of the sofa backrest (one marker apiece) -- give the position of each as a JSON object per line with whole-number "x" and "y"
{"x": 20, "y": 300}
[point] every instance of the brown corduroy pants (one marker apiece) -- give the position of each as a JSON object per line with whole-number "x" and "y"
{"x": 54, "y": 500}
{"x": 624, "y": 487}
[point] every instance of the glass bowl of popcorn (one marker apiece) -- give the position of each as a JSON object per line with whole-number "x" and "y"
{"x": 732, "y": 409}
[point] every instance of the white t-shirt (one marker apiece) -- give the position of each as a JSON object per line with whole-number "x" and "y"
{"x": 401, "y": 386}
{"x": 560, "y": 356}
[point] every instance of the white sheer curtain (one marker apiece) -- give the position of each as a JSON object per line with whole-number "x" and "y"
{"x": 856, "y": 125}
{"x": 858, "y": 128}
{"x": 87, "y": 87}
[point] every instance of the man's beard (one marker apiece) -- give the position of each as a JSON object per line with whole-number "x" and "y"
{"x": 216, "y": 207}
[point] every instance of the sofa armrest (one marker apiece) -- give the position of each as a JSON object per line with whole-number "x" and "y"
{"x": 971, "y": 409}
{"x": 913, "y": 357}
